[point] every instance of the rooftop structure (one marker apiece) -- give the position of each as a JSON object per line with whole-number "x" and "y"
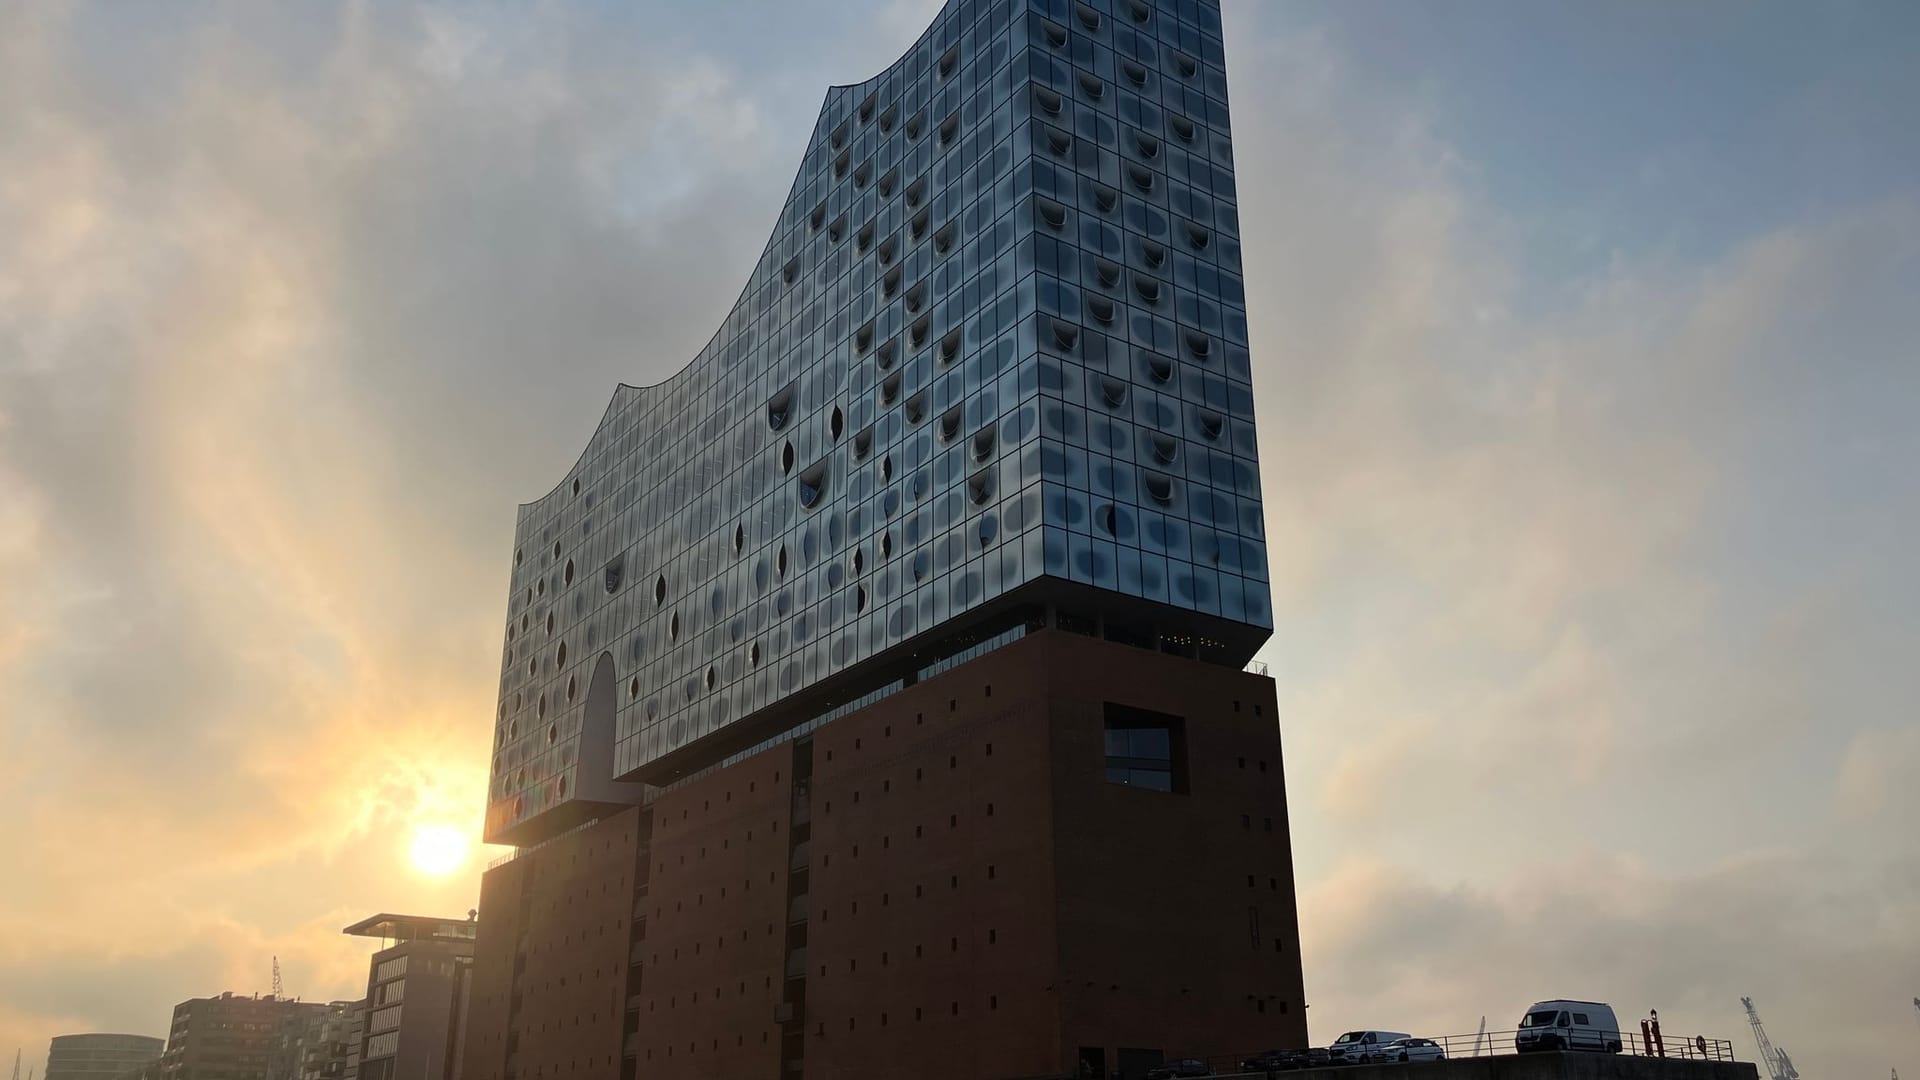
{"x": 417, "y": 983}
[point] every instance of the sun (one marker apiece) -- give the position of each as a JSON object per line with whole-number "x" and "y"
{"x": 439, "y": 850}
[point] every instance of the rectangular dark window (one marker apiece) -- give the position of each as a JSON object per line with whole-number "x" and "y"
{"x": 1145, "y": 749}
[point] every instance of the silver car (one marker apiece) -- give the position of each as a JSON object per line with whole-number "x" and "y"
{"x": 1411, "y": 1050}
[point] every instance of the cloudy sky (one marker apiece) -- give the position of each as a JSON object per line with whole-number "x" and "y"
{"x": 1586, "y": 354}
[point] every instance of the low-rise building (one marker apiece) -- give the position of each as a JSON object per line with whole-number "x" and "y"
{"x": 318, "y": 1044}
{"x": 231, "y": 1037}
{"x": 99, "y": 1056}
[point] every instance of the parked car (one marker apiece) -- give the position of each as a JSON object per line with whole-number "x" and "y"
{"x": 1414, "y": 1050}
{"x": 1279, "y": 1061}
{"x": 1180, "y": 1067}
{"x": 1564, "y": 1024}
{"x": 1362, "y": 1047}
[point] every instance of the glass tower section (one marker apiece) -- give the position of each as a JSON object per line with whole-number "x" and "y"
{"x": 991, "y": 368}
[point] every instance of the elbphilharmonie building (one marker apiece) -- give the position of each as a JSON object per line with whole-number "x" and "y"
{"x": 874, "y": 684}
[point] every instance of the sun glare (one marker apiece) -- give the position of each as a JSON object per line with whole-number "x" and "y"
{"x": 438, "y": 850}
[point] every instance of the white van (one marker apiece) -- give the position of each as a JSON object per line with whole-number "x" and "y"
{"x": 1561, "y": 1024}
{"x": 1362, "y": 1047}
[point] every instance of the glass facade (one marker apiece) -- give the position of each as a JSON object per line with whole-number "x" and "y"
{"x": 998, "y": 338}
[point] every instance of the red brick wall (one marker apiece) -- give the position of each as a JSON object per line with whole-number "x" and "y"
{"x": 981, "y": 902}
{"x": 1157, "y": 947}
{"x": 716, "y": 923}
{"x": 931, "y": 930}
{"x": 573, "y": 900}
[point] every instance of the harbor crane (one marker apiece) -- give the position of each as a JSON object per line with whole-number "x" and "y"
{"x": 1779, "y": 1065}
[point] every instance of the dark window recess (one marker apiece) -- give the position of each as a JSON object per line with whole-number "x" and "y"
{"x": 780, "y": 408}
{"x": 813, "y": 484}
{"x": 1145, "y": 749}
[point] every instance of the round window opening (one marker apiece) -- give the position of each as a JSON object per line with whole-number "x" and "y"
{"x": 660, "y": 589}
{"x": 553, "y": 734}
{"x": 567, "y": 575}
{"x": 753, "y": 654}
{"x": 572, "y": 687}
{"x": 633, "y": 688}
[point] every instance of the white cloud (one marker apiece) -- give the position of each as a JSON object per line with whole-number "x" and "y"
{"x": 1820, "y": 944}
{"x": 281, "y": 345}
{"x": 1876, "y": 788}
{"x": 1540, "y": 656}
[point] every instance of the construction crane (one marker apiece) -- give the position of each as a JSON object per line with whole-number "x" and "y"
{"x": 279, "y": 991}
{"x": 1779, "y": 1065}
{"x": 16, "y": 1065}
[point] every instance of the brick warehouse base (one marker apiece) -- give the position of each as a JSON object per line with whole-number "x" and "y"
{"x": 944, "y": 883}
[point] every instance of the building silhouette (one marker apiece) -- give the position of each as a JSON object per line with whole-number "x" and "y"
{"x": 100, "y": 1056}
{"x": 416, "y": 994}
{"x": 872, "y": 694}
{"x": 232, "y": 1037}
{"x": 318, "y": 1044}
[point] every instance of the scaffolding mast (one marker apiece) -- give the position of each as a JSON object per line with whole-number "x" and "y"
{"x": 1779, "y": 1065}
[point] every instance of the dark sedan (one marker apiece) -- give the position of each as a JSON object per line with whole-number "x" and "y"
{"x": 1276, "y": 1061}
